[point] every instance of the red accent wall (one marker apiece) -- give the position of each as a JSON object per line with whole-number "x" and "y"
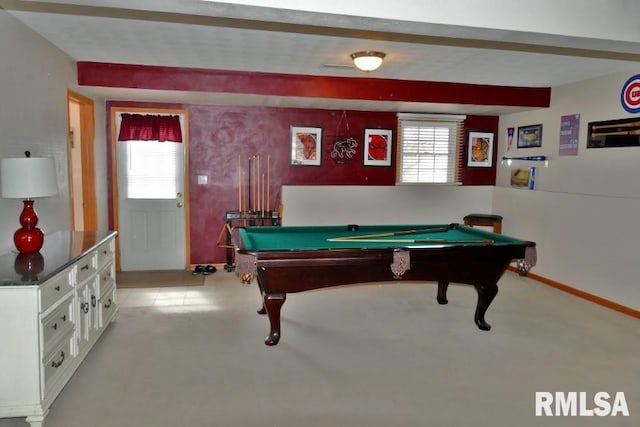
{"x": 226, "y": 81}
{"x": 221, "y": 134}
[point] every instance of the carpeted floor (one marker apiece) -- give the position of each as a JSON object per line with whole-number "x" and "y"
{"x": 377, "y": 355}
{"x": 157, "y": 279}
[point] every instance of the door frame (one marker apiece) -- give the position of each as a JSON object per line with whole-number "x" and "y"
{"x": 114, "y": 194}
{"x": 87, "y": 138}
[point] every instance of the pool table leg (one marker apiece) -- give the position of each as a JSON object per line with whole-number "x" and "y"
{"x": 273, "y": 304}
{"x": 486, "y": 293}
{"x": 442, "y": 292}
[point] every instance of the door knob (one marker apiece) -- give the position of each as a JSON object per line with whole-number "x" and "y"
{"x": 179, "y": 204}
{"x": 179, "y": 195}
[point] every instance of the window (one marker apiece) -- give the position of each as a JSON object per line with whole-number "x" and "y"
{"x": 430, "y": 148}
{"x": 151, "y": 169}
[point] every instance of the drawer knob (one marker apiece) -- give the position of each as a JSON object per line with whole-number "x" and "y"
{"x": 54, "y": 326}
{"x": 86, "y": 267}
{"x": 108, "y": 303}
{"x": 57, "y": 288}
{"x": 84, "y": 307}
{"x": 93, "y": 300}
{"x": 55, "y": 364}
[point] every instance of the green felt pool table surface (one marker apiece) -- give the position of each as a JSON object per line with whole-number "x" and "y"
{"x": 368, "y": 236}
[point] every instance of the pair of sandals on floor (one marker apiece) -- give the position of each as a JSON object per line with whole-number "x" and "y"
{"x": 203, "y": 269}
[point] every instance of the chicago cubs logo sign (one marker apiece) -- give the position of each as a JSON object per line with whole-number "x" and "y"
{"x": 630, "y": 96}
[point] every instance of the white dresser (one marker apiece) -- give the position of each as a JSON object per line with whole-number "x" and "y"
{"x": 54, "y": 306}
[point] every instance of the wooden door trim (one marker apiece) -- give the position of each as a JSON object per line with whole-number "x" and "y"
{"x": 87, "y": 139}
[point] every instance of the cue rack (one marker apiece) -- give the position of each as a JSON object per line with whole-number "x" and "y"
{"x": 254, "y": 185}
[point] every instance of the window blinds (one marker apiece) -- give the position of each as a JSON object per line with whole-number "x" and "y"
{"x": 430, "y": 150}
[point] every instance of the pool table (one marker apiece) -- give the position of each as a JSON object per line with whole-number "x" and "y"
{"x": 295, "y": 259}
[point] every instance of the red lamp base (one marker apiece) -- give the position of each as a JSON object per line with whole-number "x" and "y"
{"x": 29, "y": 239}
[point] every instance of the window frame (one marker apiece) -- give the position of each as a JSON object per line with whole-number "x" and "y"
{"x": 455, "y": 122}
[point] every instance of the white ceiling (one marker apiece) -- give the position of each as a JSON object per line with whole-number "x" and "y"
{"x": 497, "y": 42}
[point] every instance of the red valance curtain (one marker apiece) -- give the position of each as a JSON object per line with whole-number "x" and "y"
{"x": 147, "y": 127}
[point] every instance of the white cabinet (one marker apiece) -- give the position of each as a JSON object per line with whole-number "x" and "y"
{"x": 54, "y": 306}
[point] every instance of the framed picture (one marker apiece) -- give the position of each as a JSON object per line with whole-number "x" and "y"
{"x": 306, "y": 145}
{"x": 530, "y": 136}
{"x": 480, "y": 150}
{"x": 377, "y": 147}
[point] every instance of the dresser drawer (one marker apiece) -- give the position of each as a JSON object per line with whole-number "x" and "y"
{"x": 57, "y": 324}
{"x": 56, "y": 288}
{"x": 87, "y": 267}
{"x": 107, "y": 306}
{"x": 57, "y": 362}
{"x": 106, "y": 252}
{"x": 107, "y": 279}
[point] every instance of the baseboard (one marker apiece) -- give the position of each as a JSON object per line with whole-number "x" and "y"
{"x": 582, "y": 294}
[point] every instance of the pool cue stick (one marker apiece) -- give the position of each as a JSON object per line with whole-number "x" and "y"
{"x": 259, "y": 206}
{"x": 249, "y": 186}
{"x": 268, "y": 182}
{"x": 239, "y": 186}
{"x": 620, "y": 125}
{"x": 433, "y": 241}
{"x": 255, "y": 192}
{"x": 264, "y": 191}
{"x": 395, "y": 233}
{"x": 620, "y": 132}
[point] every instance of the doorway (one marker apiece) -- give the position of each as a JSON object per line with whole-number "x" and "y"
{"x": 149, "y": 196}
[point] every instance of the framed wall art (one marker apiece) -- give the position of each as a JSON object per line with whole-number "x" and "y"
{"x": 530, "y": 136}
{"x": 306, "y": 145}
{"x": 480, "y": 150}
{"x": 377, "y": 147}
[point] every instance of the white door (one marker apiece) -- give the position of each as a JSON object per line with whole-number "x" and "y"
{"x": 151, "y": 212}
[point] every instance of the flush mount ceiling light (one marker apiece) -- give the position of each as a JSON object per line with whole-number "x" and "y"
{"x": 368, "y": 60}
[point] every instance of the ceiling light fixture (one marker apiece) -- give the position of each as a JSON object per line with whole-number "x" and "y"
{"x": 368, "y": 60}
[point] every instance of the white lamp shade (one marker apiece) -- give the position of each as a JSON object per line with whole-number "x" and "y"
{"x": 28, "y": 177}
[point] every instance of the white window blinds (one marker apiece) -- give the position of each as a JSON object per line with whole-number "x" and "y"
{"x": 151, "y": 169}
{"x": 430, "y": 149}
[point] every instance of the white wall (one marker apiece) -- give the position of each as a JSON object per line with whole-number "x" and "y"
{"x": 35, "y": 76}
{"x": 406, "y": 204}
{"x": 584, "y": 211}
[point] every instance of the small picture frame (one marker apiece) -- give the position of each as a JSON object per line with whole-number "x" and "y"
{"x": 530, "y": 136}
{"x": 306, "y": 145}
{"x": 377, "y": 147}
{"x": 480, "y": 150}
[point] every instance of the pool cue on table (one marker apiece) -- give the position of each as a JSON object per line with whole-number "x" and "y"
{"x": 394, "y": 233}
{"x": 432, "y": 241}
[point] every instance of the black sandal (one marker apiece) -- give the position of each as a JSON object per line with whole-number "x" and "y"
{"x": 208, "y": 270}
{"x": 198, "y": 270}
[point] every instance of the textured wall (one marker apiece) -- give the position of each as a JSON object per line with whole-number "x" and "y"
{"x": 220, "y": 135}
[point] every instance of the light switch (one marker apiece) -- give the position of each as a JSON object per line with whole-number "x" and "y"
{"x": 202, "y": 179}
